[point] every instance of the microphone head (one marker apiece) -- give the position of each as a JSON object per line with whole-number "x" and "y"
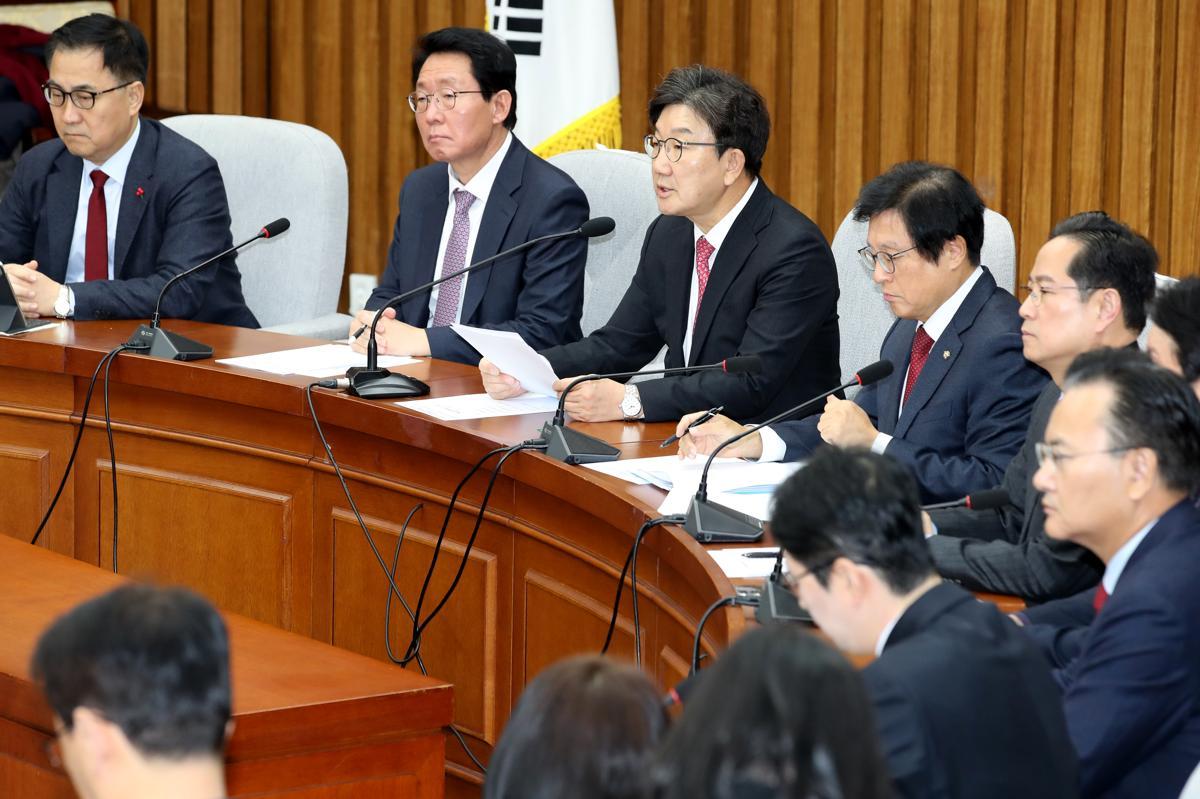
{"x": 600, "y": 226}
{"x": 989, "y": 499}
{"x": 874, "y": 373}
{"x": 742, "y": 364}
{"x": 276, "y": 227}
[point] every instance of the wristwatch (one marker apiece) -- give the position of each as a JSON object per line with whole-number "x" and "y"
{"x": 64, "y": 306}
{"x": 631, "y": 406}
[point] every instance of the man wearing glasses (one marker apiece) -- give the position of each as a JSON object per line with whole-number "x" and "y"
{"x": 956, "y": 407}
{"x": 1090, "y": 287}
{"x": 727, "y": 269}
{"x": 487, "y": 194}
{"x": 95, "y": 223}
{"x": 965, "y": 704}
{"x": 1118, "y": 473}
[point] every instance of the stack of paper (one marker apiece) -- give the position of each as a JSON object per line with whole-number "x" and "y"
{"x": 323, "y": 360}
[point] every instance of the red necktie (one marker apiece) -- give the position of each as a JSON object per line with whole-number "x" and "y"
{"x": 704, "y": 251}
{"x": 921, "y": 345}
{"x": 1100, "y": 598}
{"x": 95, "y": 249}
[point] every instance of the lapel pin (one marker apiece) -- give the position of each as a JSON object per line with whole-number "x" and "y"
{"x": 945, "y": 355}
{"x": 140, "y": 191}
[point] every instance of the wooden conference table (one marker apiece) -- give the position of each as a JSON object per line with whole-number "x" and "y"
{"x": 311, "y": 720}
{"x": 224, "y": 486}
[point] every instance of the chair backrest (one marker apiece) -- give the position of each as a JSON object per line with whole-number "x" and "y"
{"x": 864, "y": 318}
{"x": 617, "y": 184}
{"x": 1160, "y": 282}
{"x": 278, "y": 169}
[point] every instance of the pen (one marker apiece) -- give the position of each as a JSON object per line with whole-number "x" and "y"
{"x": 762, "y": 553}
{"x": 359, "y": 332}
{"x": 708, "y": 415}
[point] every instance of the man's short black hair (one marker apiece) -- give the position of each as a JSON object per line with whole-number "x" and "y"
{"x": 153, "y": 661}
{"x": 1152, "y": 407}
{"x": 935, "y": 202}
{"x": 492, "y": 61}
{"x": 1176, "y": 310}
{"x": 733, "y": 110}
{"x": 1112, "y": 256}
{"x": 126, "y": 54}
{"x": 855, "y": 504}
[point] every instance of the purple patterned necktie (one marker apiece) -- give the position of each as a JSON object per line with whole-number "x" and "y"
{"x": 446, "y": 311}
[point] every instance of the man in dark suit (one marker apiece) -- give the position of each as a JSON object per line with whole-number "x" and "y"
{"x": 957, "y": 404}
{"x": 487, "y": 194}
{"x": 728, "y": 269}
{"x": 1119, "y": 471}
{"x": 964, "y": 704}
{"x": 1089, "y": 288}
{"x": 96, "y": 222}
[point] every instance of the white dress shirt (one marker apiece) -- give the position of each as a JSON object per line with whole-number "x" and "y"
{"x": 481, "y": 186}
{"x": 1116, "y": 565}
{"x": 715, "y": 237}
{"x": 115, "y": 167}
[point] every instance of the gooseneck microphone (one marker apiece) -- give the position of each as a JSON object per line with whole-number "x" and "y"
{"x": 158, "y": 343}
{"x": 990, "y": 499}
{"x": 572, "y": 446}
{"x": 371, "y": 382}
{"x": 712, "y": 523}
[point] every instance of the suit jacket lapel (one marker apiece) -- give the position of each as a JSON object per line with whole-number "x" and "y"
{"x": 897, "y": 348}
{"x": 945, "y": 351}
{"x": 62, "y": 205}
{"x": 497, "y": 216}
{"x": 730, "y": 259}
{"x": 431, "y": 218}
{"x": 679, "y": 261}
{"x": 139, "y": 175}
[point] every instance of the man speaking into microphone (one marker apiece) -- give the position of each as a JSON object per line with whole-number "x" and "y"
{"x": 728, "y": 269}
{"x": 487, "y": 194}
{"x": 97, "y": 221}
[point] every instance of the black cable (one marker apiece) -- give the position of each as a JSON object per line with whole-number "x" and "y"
{"x": 630, "y": 568}
{"x": 437, "y": 547}
{"x": 112, "y": 451}
{"x": 389, "y": 574}
{"x": 720, "y": 603}
{"x": 462, "y": 565}
{"x": 87, "y": 401}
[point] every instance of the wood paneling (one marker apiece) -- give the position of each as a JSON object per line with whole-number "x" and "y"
{"x": 1050, "y": 106}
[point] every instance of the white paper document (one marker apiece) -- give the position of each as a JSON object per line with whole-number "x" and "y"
{"x": 747, "y": 488}
{"x": 33, "y": 325}
{"x": 480, "y": 406}
{"x": 323, "y": 360}
{"x": 513, "y": 356}
{"x": 736, "y": 565}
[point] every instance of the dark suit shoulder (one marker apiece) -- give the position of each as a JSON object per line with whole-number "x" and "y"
{"x": 37, "y": 161}
{"x": 175, "y": 150}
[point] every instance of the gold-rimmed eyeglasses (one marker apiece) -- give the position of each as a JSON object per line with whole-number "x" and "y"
{"x": 445, "y": 99}
{"x": 672, "y": 146}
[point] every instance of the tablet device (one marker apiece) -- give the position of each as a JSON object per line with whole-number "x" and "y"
{"x": 12, "y": 321}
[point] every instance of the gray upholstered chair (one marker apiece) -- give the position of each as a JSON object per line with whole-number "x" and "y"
{"x": 278, "y": 169}
{"x": 617, "y": 184}
{"x": 864, "y": 318}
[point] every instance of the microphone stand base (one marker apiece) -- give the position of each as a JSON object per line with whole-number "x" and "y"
{"x": 777, "y": 604}
{"x": 159, "y": 343}
{"x": 711, "y": 523}
{"x": 571, "y": 446}
{"x": 382, "y": 384}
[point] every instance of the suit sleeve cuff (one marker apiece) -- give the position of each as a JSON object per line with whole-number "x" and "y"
{"x": 879, "y": 445}
{"x": 773, "y": 448}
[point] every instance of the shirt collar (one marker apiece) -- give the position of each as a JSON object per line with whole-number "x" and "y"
{"x": 1116, "y": 565}
{"x": 717, "y": 233}
{"x": 887, "y": 632}
{"x": 481, "y": 184}
{"x": 939, "y": 320}
{"x": 116, "y": 166}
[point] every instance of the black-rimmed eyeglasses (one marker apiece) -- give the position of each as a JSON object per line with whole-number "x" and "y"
{"x": 84, "y": 99}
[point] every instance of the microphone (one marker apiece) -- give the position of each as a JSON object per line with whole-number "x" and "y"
{"x": 162, "y": 343}
{"x": 713, "y": 523}
{"x": 572, "y": 446}
{"x": 371, "y": 382}
{"x": 990, "y": 499}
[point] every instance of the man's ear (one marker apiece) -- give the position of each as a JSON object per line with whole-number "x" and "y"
{"x": 96, "y": 743}
{"x": 734, "y": 162}
{"x": 136, "y": 92}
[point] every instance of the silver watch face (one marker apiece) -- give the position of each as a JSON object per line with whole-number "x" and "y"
{"x": 632, "y": 404}
{"x": 61, "y": 307}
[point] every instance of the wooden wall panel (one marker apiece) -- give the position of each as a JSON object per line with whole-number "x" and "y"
{"x": 1050, "y": 106}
